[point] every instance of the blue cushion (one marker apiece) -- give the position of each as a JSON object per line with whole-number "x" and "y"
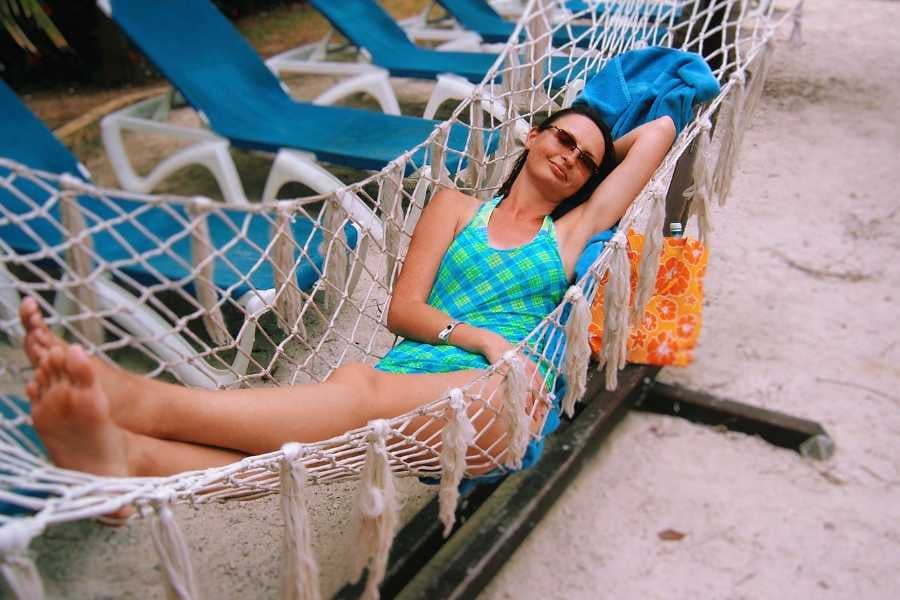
{"x": 152, "y": 243}
{"x": 27, "y": 140}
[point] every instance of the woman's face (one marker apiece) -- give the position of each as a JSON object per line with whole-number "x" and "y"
{"x": 564, "y": 155}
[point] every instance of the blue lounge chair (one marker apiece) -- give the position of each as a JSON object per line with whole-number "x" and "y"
{"x": 148, "y": 246}
{"x": 244, "y": 104}
{"x": 479, "y": 16}
{"x": 367, "y": 26}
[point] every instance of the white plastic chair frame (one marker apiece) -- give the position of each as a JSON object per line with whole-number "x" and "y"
{"x": 310, "y": 58}
{"x": 208, "y": 150}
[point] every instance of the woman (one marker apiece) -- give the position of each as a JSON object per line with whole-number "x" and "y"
{"x": 521, "y": 252}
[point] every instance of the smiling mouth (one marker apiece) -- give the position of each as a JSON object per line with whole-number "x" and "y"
{"x": 557, "y": 170}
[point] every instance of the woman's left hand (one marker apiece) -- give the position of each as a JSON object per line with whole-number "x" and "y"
{"x": 493, "y": 346}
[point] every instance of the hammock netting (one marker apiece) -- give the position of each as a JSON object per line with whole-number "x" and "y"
{"x": 274, "y": 294}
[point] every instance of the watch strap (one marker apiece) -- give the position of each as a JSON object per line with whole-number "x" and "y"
{"x": 444, "y": 334}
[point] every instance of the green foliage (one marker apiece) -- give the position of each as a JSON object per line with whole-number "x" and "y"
{"x": 13, "y": 12}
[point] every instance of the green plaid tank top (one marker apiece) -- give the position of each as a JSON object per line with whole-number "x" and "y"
{"x": 506, "y": 291}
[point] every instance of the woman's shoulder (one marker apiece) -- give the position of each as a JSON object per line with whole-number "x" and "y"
{"x": 462, "y": 206}
{"x": 456, "y": 199}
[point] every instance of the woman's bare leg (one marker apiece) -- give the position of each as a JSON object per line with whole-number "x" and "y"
{"x": 255, "y": 421}
{"x": 71, "y": 413}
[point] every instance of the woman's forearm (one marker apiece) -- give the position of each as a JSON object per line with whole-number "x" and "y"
{"x": 422, "y": 322}
{"x": 651, "y": 132}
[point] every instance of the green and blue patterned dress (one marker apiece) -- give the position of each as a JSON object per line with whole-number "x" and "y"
{"x": 507, "y": 291}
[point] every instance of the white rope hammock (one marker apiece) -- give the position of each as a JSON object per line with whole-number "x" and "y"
{"x": 225, "y": 310}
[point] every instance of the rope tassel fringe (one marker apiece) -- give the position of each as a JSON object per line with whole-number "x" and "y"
{"x": 515, "y": 396}
{"x": 80, "y": 259}
{"x": 650, "y": 257}
{"x": 289, "y": 298}
{"x": 173, "y": 554}
{"x": 390, "y": 198}
{"x": 203, "y": 256}
{"x": 578, "y": 349}
{"x": 457, "y": 436}
{"x": 615, "y": 307}
{"x": 18, "y": 570}
{"x": 439, "y": 173}
{"x": 377, "y": 511}
{"x": 335, "y": 249}
{"x": 299, "y": 570}
{"x": 731, "y": 140}
{"x": 700, "y": 191}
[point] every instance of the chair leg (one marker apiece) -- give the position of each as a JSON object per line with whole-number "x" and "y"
{"x": 291, "y": 165}
{"x": 375, "y": 83}
{"x": 209, "y": 151}
{"x": 448, "y": 87}
{"x": 155, "y": 333}
{"x": 295, "y": 166}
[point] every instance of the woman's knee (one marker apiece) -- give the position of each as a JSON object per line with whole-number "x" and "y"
{"x": 359, "y": 375}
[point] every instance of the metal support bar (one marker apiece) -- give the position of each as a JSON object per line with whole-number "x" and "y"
{"x": 806, "y": 437}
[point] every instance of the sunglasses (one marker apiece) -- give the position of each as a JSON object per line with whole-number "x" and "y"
{"x": 568, "y": 142}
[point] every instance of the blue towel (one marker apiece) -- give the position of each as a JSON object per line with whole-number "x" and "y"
{"x": 639, "y": 86}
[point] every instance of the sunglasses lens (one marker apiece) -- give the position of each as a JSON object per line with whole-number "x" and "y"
{"x": 567, "y": 141}
{"x": 588, "y": 162}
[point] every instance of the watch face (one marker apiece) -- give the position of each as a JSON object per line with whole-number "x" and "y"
{"x": 445, "y": 332}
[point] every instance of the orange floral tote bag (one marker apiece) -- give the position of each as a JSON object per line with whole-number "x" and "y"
{"x": 670, "y": 328}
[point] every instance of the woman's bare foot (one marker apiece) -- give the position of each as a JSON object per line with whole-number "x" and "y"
{"x": 38, "y": 337}
{"x": 122, "y": 390}
{"x": 71, "y": 414}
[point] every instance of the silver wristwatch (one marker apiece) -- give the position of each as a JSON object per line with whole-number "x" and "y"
{"x": 444, "y": 333}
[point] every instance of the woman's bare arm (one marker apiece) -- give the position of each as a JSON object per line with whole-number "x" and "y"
{"x": 410, "y": 315}
{"x": 639, "y": 153}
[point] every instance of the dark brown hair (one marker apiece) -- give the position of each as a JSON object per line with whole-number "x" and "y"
{"x": 607, "y": 163}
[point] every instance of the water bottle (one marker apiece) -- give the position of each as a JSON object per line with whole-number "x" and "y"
{"x": 675, "y": 229}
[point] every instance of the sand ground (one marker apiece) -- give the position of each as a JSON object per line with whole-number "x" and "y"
{"x": 801, "y": 291}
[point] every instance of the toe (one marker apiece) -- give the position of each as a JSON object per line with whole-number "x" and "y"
{"x": 27, "y": 309}
{"x": 41, "y": 376}
{"x": 42, "y": 338}
{"x": 56, "y": 360}
{"x": 77, "y": 366}
{"x": 31, "y": 348}
{"x": 33, "y": 392}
